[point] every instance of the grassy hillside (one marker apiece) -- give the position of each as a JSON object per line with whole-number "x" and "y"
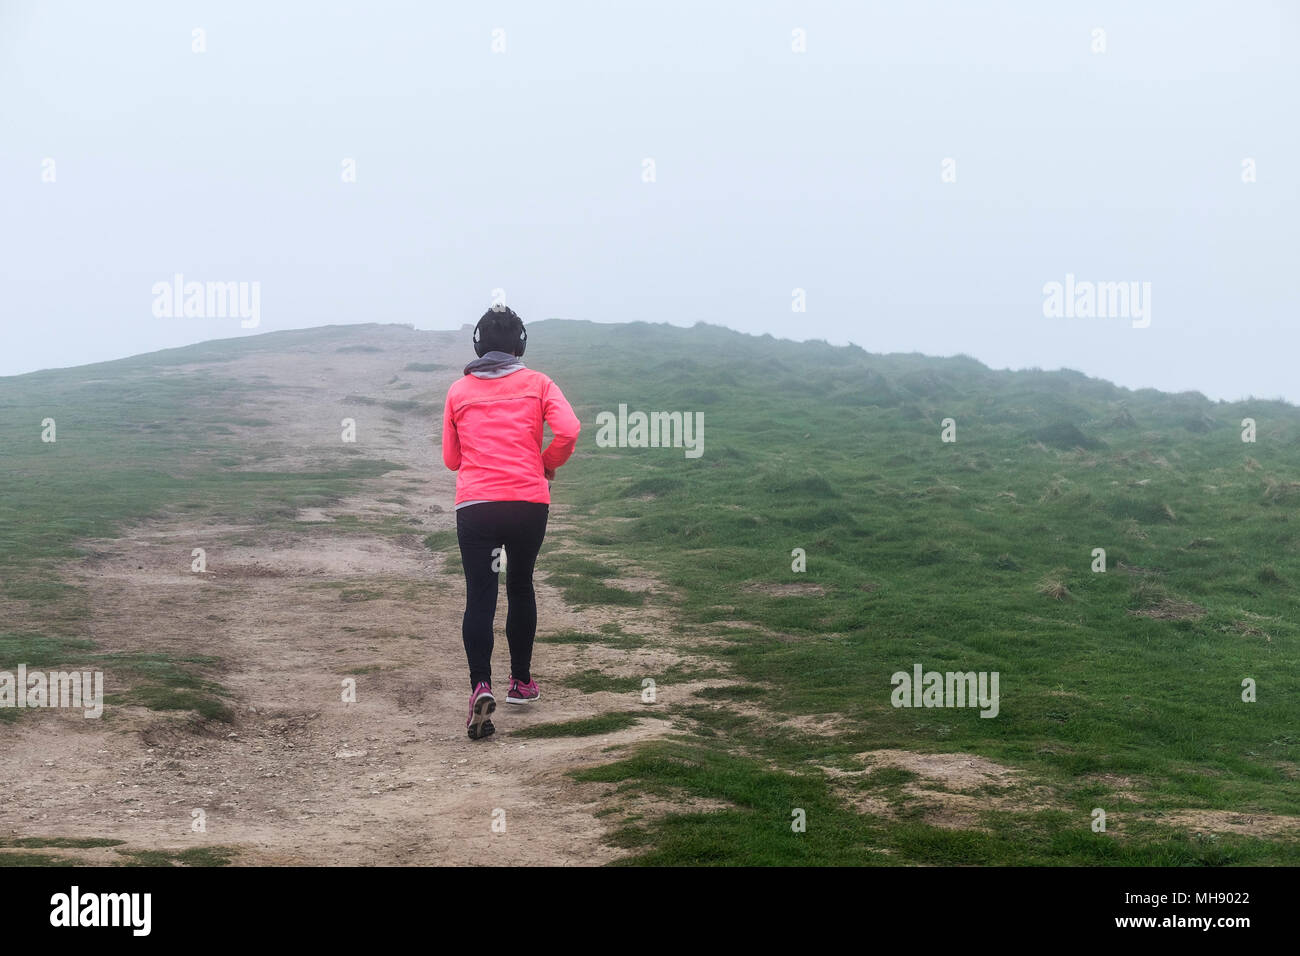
{"x": 1119, "y": 690}
{"x": 134, "y": 438}
{"x": 971, "y": 555}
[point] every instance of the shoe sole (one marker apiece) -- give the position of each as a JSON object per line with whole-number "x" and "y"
{"x": 480, "y": 726}
{"x": 523, "y": 700}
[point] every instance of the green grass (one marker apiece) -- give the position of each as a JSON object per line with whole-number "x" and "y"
{"x": 933, "y": 553}
{"x": 198, "y": 856}
{"x": 580, "y": 591}
{"x": 582, "y": 581}
{"x": 155, "y": 681}
{"x": 585, "y": 727}
{"x": 616, "y": 639}
{"x": 33, "y": 859}
{"x": 58, "y": 842}
{"x": 593, "y": 681}
{"x": 40, "y": 651}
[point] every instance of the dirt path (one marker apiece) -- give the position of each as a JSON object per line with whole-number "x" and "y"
{"x": 300, "y": 776}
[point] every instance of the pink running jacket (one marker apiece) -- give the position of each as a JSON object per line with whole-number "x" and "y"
{"x": 492, "y": 436}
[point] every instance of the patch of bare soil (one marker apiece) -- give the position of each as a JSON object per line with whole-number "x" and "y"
{"x": 952, "y": 771}
{"x": 1228, "y": 821}
{"x": 646, "y": 807}
{"x": 1247, "y": 629}
{"x": 952, "y": 791}
{"x": 1121, "y": 786}
{"x": 790, "y": 589}
{"x": 296, "y": 610}
{"x": 1171, "y": 610}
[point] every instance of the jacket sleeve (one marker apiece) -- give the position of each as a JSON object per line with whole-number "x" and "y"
{"x": 557, "y": 413}
{"x": 450, "y": 439}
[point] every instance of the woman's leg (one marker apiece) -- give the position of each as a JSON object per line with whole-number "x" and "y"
{"x": 523, "y": 541}
{"x": 475, "y": 529}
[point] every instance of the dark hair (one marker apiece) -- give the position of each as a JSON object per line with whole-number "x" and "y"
{"x": 500, "y": 330}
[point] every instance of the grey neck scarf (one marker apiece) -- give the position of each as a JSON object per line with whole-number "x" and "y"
{"x": 494, "y": 365}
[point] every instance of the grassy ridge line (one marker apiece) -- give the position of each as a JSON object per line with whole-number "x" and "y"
{"x": 945, "y": 554}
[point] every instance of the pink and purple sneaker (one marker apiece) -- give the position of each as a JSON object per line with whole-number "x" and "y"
{"x": 481, "y": 705}
{"x": 521, "y": 693}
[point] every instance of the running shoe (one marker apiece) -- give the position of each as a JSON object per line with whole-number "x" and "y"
{"x": 521, "y": 693}
{"x": 481, "y": 705}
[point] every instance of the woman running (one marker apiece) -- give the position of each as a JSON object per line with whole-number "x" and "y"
{"x": 492, "y": 439}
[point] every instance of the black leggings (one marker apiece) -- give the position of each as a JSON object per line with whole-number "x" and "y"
{"x": 482, "y": 528}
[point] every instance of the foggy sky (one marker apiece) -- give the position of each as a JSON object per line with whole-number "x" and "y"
{"x": 774, "y": 171}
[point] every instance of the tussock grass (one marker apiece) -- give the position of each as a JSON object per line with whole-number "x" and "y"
{"x": 1053, "y": 586}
